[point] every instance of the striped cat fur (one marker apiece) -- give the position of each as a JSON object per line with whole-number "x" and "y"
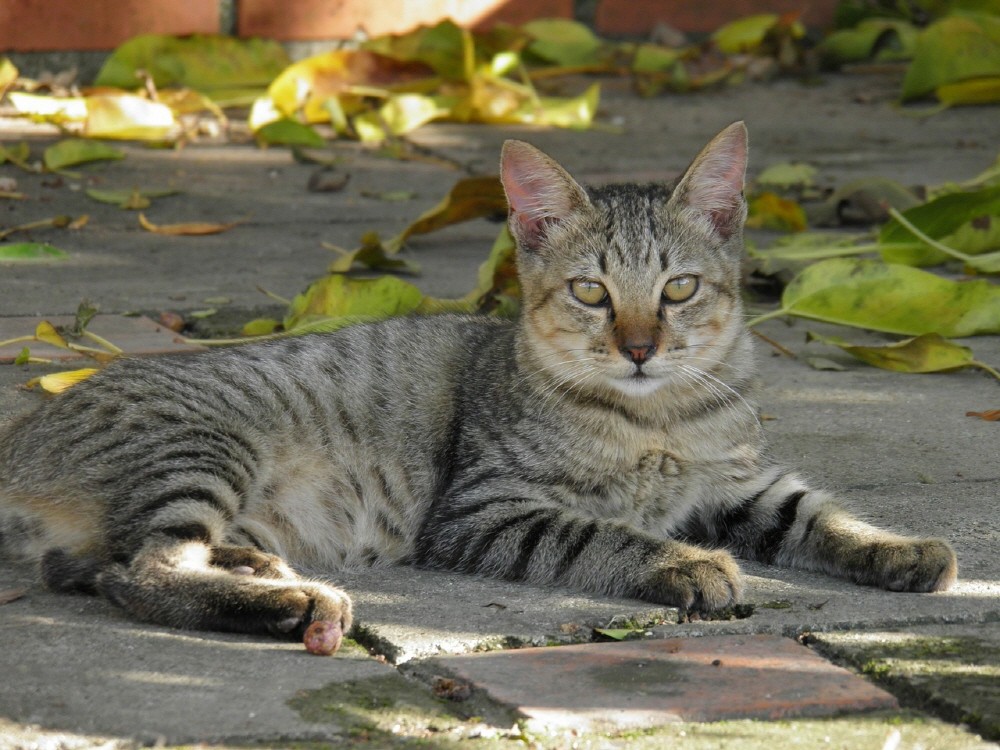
{"x": 606, "y": 441}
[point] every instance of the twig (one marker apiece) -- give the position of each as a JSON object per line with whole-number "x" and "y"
{"x": 787, "y": 352}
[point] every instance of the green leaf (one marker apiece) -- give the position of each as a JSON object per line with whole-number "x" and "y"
{"x": 260, "y": 327}
{"x": 439, "y": 47}
{"x": 372, "y": 254}
{"x": 747, "y": 34}
{"x": 23, "y": 356}
{"x": 287, "y": 132}
{"x": 953, "y": 216}
{"x": 970, "y": 91}
{"x": 559, "y": 41}
{"x": 787, "y": 175}
{"x": 221, "y": 66}
{"x": 926, "y": 353}
{"x": 653, "y": 58}
{"x": 617, "y": 634}
{"x": 340, "y": 297}
{"x": 78, "y": 151}
{"x": 875, "y": 38}
{"x": 30, "y": 252}
{"x": 127, "y": 198}
{"x": 956, "y": 48}
{"x": 892, "y": 298}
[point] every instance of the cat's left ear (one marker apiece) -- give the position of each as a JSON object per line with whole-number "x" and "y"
{"x": 540, "y": 193}
{"x": 713, "y": 184}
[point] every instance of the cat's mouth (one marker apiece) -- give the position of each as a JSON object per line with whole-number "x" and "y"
{"x": 638, "y": 383}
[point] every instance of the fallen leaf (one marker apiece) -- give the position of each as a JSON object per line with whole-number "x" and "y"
{"x": 57, "y": 382}
{"x": 228, "y": 69}
{"x": 327, "y": 180}
{"x": 822, "y": 363}
{"x": 372, "y": 254}
{"x": 892, "y": 298}
{"x": 560, "y": 41}
{"x": 953, "y": 49}
{"x": 770, "y": 211}
{"x": 30, "y": 252}
{"x": 949, "y": 219}
{"x": 75, "y": 151}
{"x": 873, "y": 39}
{"x": 787, "y": 175}
{"x": 260, "y": 327}
{"x": 469, "y": 198}
{"x": 130, "y": 199}
{"x": 928, "y": 352}
{"x": 8, "y": 74}
{"x": 337, "y": 299}
{"x": 748, "y": 34}
{"x": 129, "y": 117}
{"x": 992, "y": 415}
{"x": 11, "y": 595}
{"x": 287, "y": 132}
{"x": 190, "y": 228}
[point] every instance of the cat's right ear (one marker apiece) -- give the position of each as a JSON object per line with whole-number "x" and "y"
{"x": 540, "y": 193}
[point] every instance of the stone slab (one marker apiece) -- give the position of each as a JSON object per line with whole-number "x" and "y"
{"x": 953, "y": 671}
{"x": 641, "y": 684}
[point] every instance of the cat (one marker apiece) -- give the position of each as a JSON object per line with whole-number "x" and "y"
{"x": 606, "y": 441}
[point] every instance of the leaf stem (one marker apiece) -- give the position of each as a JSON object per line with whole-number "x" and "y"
{"x": 908, "y": 226}
{"x": 102, "y": 341}
{"x": 984, "y": 366}
{"x": 18, "y": 340}
{"x": 766, "y": 316}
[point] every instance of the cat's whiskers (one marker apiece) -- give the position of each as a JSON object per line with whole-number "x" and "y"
{"x": 702, "y": 375}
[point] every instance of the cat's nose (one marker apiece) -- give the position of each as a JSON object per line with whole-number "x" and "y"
{"x": 638, "y": 353}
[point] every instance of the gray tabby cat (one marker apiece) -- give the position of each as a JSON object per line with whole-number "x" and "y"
{"x": 607, "y": 441}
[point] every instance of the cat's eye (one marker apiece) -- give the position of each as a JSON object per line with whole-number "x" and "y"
{"x": 589, "y": 292}
{"x": 680, "y": 288}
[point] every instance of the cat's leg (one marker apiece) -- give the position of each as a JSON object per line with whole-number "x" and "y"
{"x": 780, "y": 520}
{"x": 540, "y": 542}
{"x": 177, "y": 583}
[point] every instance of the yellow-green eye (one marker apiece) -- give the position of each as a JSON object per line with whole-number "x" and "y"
{"x": 680, "y": 288}
{"x": 588, "y": 291}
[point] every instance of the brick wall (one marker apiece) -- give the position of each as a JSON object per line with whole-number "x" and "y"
{"x": 52, "y": 25}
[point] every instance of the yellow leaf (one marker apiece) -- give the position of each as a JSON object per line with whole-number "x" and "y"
{"x": 57, "y": 382}
{"x": 47, "y": 332}
{"x": 8, "y": 74}
{"x": 129, "y": 117}
{"x": 971, "y": 91}
{"x": 55, "y": 108}
{"x": 771, "y": 211}
{"x": 191, "y": 228}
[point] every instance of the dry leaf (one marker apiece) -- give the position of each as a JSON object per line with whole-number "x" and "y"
{"x": 187, "y": 229}
{"x": 11, "y": 595}
{"x": 993, "y": 415}
{"x": 57, "y": 382}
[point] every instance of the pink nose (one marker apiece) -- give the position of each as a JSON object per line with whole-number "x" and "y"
{"x": 638, "y": 353}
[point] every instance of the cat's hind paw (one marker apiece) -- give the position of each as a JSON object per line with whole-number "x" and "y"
{"x": 695, "y": 579}
{"x": 291, "y": 610}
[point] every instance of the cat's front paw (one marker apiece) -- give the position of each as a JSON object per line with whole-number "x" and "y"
{"x": 909, "y": 565}
{"x": 293, "y": 609}
{"x": 250, "y": 561}
{"x": 695, "y": 579}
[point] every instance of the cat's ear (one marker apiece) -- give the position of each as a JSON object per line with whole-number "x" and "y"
{"x": 540, "y": 193}
{"x": 713, "y": 184}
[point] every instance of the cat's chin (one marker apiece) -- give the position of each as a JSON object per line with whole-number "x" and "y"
{"x": 637, "y": 386}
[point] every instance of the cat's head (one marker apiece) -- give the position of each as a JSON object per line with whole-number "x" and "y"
{"x": 629, "y": 288}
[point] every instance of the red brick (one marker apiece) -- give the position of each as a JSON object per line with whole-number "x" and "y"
{"x": 641, "y": 16}
{"x": 133, "y": 335}
{"x": 340, "y": 19}
{"x": 646, "y": 683}
{"x": 38, "y": 25}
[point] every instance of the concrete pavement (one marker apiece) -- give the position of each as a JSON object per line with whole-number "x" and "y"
{"x": 898, "y": 448}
